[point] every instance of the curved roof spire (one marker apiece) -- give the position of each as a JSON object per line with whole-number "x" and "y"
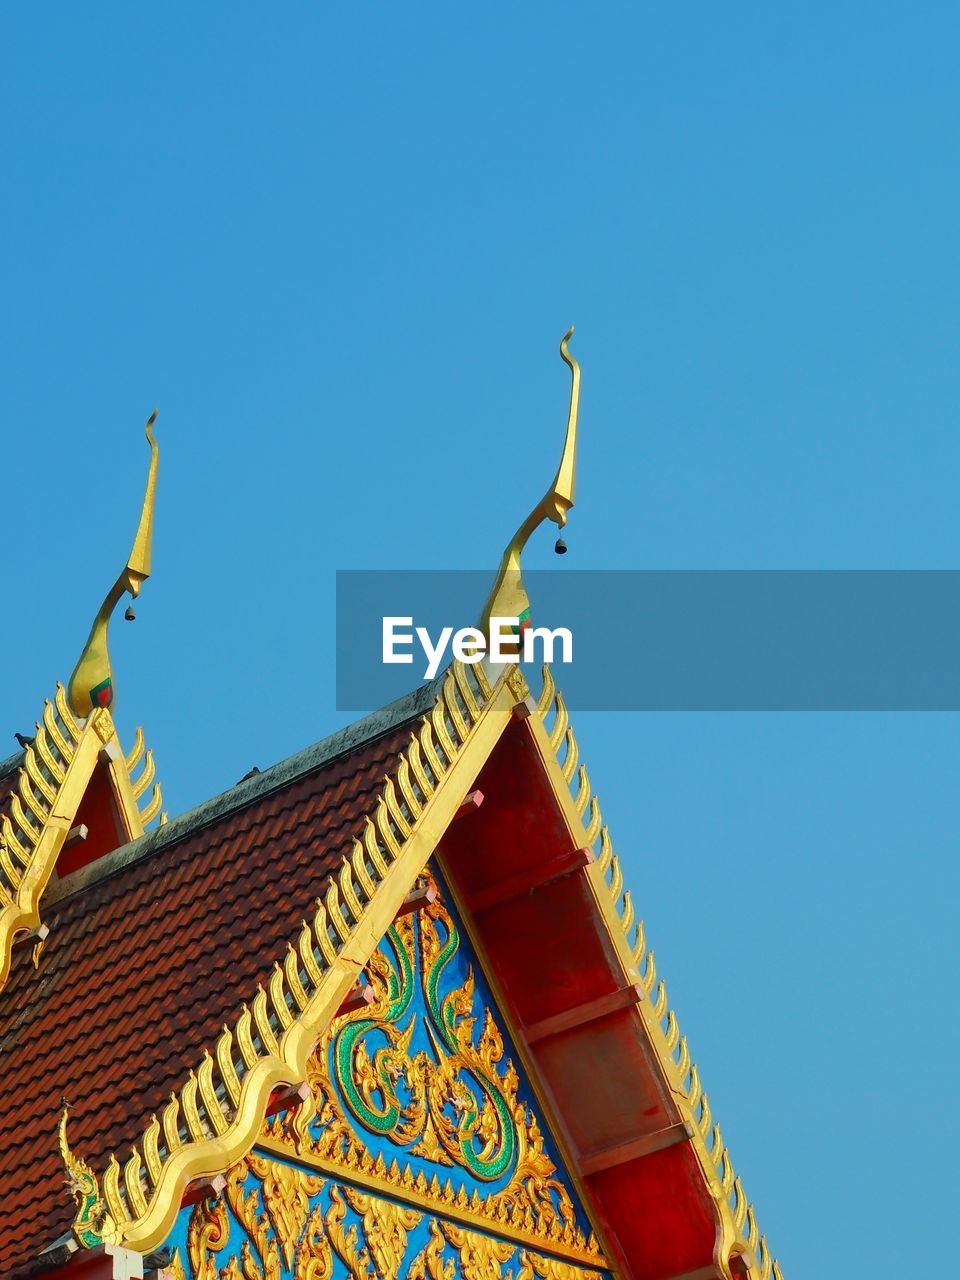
{"x": 508, "y": 599}
{"x": 91, "y": 684}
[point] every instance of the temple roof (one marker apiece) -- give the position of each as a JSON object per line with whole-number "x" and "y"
{"x": 188, "y": 973}
{"x": 161, "y": 991}
{"x": 153, "y": 947}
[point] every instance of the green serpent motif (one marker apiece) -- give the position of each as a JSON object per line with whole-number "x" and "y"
{"x": 443, "y": 1015}
{"x": 399, "y": 995}
{"x": 368, "y": 1087}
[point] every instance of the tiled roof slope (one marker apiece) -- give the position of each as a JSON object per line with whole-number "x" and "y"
{"x": 152, "y": 949}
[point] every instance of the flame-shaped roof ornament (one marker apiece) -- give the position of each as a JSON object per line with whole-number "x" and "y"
{"x": 91, "y": 684}
{"x": 508, "y": 599}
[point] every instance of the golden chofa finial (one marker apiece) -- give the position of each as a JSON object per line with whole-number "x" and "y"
{"x": 508, "y": 599}
{"x": 91, "y": 684}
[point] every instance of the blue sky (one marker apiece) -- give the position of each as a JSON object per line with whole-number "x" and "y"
{"x": 337, "y": 247}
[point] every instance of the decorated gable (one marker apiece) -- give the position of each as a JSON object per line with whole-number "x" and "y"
{"x": 422, "y": 1149}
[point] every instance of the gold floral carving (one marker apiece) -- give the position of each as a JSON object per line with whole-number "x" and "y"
{"x": 429, "y": 1264}
{"x": 385, "y": 1225}
{"x": 103, "y": 724}
{"x": 293, "y": 1224}
{"x": 286, "y": 1196}
{"x": 456, "y": 1106}
{"x": 345, "y": 1239}
{"x": 206, "y": 1234}
{"x": 481, "y": 1257}
{"x": 314, "y": 1261}
{"x": 174, "y": 1271}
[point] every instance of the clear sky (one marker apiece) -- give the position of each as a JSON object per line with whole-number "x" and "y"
{"x": 337, "y": 245}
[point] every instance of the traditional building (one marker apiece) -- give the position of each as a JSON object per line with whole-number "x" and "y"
{"x": 381, "y": 1011}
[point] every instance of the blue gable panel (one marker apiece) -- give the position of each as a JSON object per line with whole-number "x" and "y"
{"x": 421, "y": 1128}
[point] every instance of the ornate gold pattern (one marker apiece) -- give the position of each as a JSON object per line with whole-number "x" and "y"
{"x": 385, "y": 1225}
{"x": 56, "y": 770}
{"x": 286, "y": 1197}
{"x": 214, "y": 1118}
{"x": 458, "y": 1109}
{"x": 374, "y": 1246}
{"x": 740, "y": 1231}
{"x": 175, "y": 1270}
{"x": 83, "y": 1187}
{"x": 429, "y": 1263}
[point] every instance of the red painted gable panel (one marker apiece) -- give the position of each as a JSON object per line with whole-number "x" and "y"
{"x": 663, "y": 1222}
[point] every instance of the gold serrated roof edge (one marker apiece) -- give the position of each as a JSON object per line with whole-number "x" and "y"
{"x": 739, "y": 1233}
{"x": 56, "y": 770}
{"x": 215, "y": 1117}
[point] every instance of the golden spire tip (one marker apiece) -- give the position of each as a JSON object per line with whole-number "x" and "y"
{"x": 91, "y": 684}
{"x": 508, "y": 597}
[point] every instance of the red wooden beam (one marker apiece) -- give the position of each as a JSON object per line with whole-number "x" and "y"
{"x": 287, "y": 1096}
{"x": 203, "y": 1189}
{"x": 39, "y": 934}
{"x": 471, "y": 803}
{"x": 564, "y": 864}
{"x": 525, "y": 709}
{"x": 356, "y": 999}
{"x": 589, "y": 1011}
{"x": 416, "y": 899}
{"x": 634, "y": 1148}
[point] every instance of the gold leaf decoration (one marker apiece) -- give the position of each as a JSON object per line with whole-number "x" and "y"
{"x": 286, "y": 1197}
{"x": 481, "y": 1256}
{"x": 456, "y": 1105}
{"x": 206, "y": 1235}
{"x": 314, "y": 1259}
{"x": 429, "y": 1263}
{"x": 326, "y": 1224}
{"x": 385, "y": 1225}
{"x": 345, "y": 1240}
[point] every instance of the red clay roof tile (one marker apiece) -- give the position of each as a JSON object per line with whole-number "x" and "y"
{"x": 141, "y": 969}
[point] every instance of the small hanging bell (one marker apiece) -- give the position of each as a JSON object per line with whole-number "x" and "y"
{"x": 130, "y": 616}
{"x": 560, "y": 547}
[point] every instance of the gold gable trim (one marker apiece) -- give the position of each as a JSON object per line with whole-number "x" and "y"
{"x": 55, "y": 773}
{"x": 215, "y": 1120}
{"x": 558, "y": 747}
{"x": 215, "y": 1117}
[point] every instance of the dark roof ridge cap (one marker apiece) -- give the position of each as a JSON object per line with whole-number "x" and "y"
{"x": 11, "y": 763}
{"x": 339, "y": 743}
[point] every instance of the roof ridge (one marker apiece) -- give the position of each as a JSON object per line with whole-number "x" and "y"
{"x": 11, "y": 763}
{"x": 335, "y": 745}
